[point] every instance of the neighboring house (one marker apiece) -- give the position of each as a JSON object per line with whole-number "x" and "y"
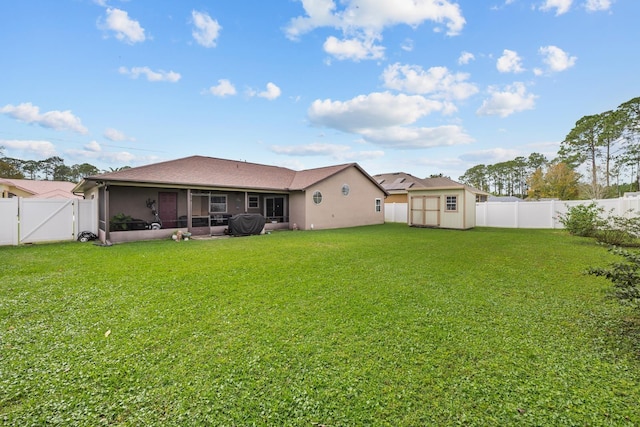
{"x": 397, "y": 184}
{"x": 32, "y": 188}
{"x": 198, "y": 194}
{"x": 504, "y": 199}
{"x": 433, "y": 202}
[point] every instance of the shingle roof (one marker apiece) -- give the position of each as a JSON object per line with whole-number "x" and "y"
{"x": 398, "y": 181}
{"x": 42, "y": 189}
{"x": 401, "y": 181}
{"x": 215, "y": 172}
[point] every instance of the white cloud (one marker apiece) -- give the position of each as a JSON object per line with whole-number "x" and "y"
{"x": 42, "y": 149}
{"x": 509, "y": 62}
{"x": 597, "y": 5}
{"x": 407, "y": 45}
{"x": 93, "y": 152}
{"x": 272, "y": 92}
{"x": 58, "y": 120}
{"x": 382, "y": 119}
{"x": 206, "y": 30}
{"x": 126, "y": 29}
{"x": 437, "y": 81}
{"x": 315, "y": 149}
{"x": 375, "y": 15}
{"x": 115, "y": 135}
{"x": 335, "y": 151}
{"x": 556, "y": 59}
{"x": 93, "y": 146}
{"x": 376, "y": 110}
{"x": 491, "y": 156}
{"x": 514, "y": 98}
{"x": 152, "y": 76}
{"x": 362, "y": 22}
{"x": 561, "y": 6}
{"x": 222, "y": 89}
{"x": 354, "y": 49}
{"x": 417, "y": 137}
{"x": 465, "y": 58}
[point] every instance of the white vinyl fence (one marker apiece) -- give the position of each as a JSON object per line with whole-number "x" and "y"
{"x": 540, "y": 214}
{"x": 34, "y": 220}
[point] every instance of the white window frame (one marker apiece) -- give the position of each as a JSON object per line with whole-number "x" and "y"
{"x": 449, "y": 201}
{"x": 212, "y": 203}
{"x": 378, "y": 205}
{"x": 317, "y": 197}
{"x": 253, "y": 202}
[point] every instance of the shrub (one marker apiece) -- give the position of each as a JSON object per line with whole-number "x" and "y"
{"x": 625, "y": 276}
{"x": 619, "y": 231}
{"x": 583, "y": 220}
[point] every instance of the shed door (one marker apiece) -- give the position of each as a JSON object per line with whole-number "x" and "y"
{"x": 425, "y": 211}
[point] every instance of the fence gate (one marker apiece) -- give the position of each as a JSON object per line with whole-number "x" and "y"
{"x": 425, "y": 211}
{"x": 46, "y": 220}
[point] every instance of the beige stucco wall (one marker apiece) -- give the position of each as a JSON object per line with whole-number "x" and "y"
{"x": 337, "y": 210}
{"x": 396, "y": 198}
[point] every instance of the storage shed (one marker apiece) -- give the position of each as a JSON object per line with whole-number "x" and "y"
{"x": 443, "y": 203}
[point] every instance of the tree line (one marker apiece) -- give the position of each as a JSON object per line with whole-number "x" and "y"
{"x": 51, "y": 169}
{"x": 605, "y": 145}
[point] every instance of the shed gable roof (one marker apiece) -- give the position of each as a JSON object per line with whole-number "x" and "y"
{"x": 402, "y": 182}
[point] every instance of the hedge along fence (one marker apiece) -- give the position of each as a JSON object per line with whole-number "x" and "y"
{"x": 534, "y": 214}
{"x": 32, "y": 220}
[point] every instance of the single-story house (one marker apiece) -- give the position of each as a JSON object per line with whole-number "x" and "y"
{"x": 433, "y": 202}
{"x": 199, "y": 194}
{"x": 31, "y": 188}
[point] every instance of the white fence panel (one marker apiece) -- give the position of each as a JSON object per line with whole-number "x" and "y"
{"x": 545, "y": 214}
{"x": 8, "y": 221}
{"x": 86, "y": 216}
{"x": 538, "y": 214}
{"x": 44, "y": 220}
{"x": 395, "y": 212}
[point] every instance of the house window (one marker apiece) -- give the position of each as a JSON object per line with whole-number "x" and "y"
{"x": 317, "y": 197}
{"x": 345, "y": 190}
{"x": 378, "y": 205}
{"x": 218, "y": 203}
{"x": 451, "y": 203}
{"x": 253, "y": 201}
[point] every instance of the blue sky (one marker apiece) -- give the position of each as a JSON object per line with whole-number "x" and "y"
{"x": 418, "y": 86}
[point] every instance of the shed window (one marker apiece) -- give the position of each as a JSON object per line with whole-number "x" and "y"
{"x": 317, "y": 197}
{"x": 451, "y": 204}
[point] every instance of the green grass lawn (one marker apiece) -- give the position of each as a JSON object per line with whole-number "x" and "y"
{"x": 382, "y": 325}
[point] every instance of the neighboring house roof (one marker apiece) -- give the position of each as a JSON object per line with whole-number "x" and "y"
{"x": 215, "y": 172}
{"x": 41, "y": 189}
{"x": 402, "y": 182}
{"x": 504, "y": 199}
{"x": 398, "y": 181}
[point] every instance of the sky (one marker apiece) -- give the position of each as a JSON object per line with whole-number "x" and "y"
{"x": 418, "y": 86}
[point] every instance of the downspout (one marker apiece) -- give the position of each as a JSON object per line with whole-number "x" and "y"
{"x": 107, "y": 225}
{"x": 189, "y": 211}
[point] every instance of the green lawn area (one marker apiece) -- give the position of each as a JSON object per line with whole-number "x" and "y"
{"x": 371, "y": 326}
